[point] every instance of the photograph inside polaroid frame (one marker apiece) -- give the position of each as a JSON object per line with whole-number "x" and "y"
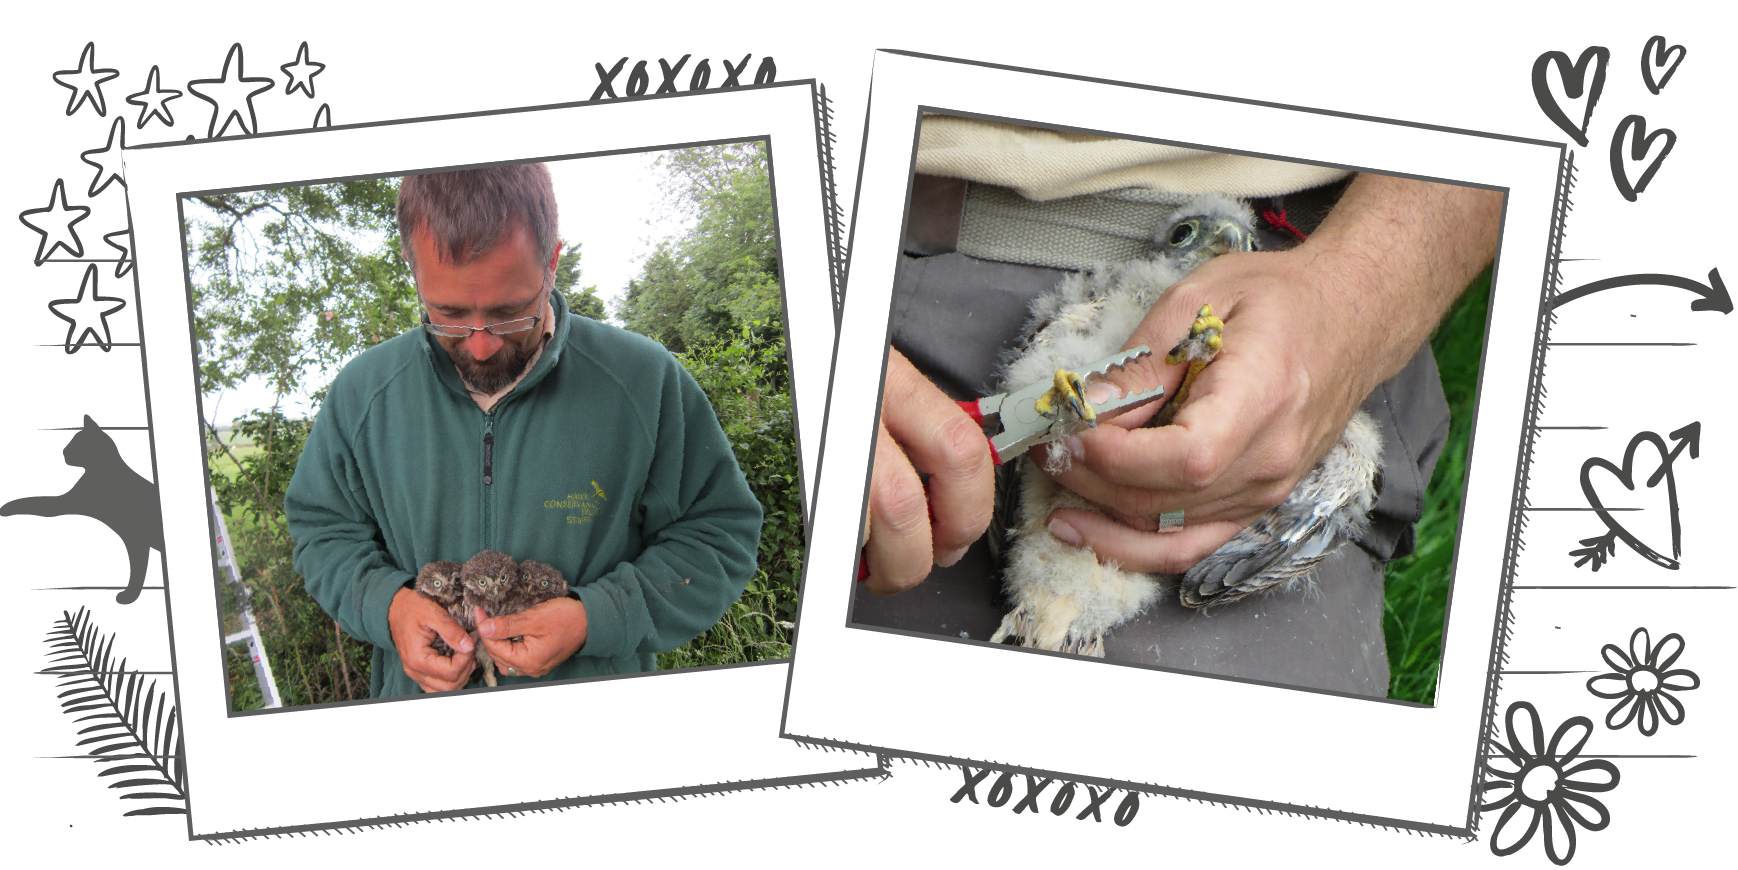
{"x": 1017, "y": 242}
{"x": 291, "y": 286}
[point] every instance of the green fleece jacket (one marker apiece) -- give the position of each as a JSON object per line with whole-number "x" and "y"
{"x": 606, "y": 461}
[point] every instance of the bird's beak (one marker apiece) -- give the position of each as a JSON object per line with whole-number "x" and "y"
{"x": 1229, "y": 237}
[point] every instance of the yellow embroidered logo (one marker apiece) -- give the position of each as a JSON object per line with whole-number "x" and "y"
{"x": 585, "y": 504}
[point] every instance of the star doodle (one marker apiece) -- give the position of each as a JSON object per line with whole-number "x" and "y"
{"x": 231, "y": 96}
{"x": 323, "y": 118}
{"x": 107, "y": 159}
{"x": 125, "y": 263}
{"x": 301, "y": 72}
{"x": 54, "y": 221}
{"x": 153, "y": 102}
{"x": 88, "y": 317}
{"x": 86, "y": 82}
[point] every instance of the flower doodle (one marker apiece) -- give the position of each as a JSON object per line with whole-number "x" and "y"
{"x": 1646, "y": 721}
{"x": 1547, "y": 783}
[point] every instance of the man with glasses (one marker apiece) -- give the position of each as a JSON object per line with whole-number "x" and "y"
{"x": 507, "y": 423}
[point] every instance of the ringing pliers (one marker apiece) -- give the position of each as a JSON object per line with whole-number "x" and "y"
{"x": 1047, "y": 411}
{"x": 1043, "y": 412}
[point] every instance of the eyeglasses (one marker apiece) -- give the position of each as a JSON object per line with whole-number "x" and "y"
{"x": 505, "y": 327}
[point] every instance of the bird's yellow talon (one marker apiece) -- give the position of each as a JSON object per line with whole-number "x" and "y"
{"x": 1068, "y": 393}
{"x": 1205, "y": 339}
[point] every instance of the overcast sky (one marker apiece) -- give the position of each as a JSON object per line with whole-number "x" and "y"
{"x": 610, "y": 205}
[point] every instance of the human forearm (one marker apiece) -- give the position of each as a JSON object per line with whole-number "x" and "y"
{"x": 1392, "y": 256}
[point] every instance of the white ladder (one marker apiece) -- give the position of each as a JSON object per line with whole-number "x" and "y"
{"x": 262, "y": 669}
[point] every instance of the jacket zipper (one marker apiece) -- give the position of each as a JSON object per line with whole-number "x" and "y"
{"x": 488, "y": 480}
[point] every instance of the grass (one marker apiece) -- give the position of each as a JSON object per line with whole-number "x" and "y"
{"x": 1417, "y": 588}
{"x": 750, "y": 631}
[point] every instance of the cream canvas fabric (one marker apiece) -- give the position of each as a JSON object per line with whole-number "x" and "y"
{"x": 1044, "y": 165}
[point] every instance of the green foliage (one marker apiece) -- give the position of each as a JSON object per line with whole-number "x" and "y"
{"x": 567, "y": 269}
{"x": 582, "y": 302}
{"x": 287, "y": 285}
{"x": 723, "y": 272}
{"x": 1417, "y": 588}
{"x": 586, "y": 304}
{"x": 313, "y": 662}
{"x": 290, "y": 283}
{"x": 744, "y": 376}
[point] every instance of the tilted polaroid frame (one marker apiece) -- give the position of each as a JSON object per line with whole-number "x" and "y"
{"x": 632, "y": 737}
{"x": 1148, "y": 729}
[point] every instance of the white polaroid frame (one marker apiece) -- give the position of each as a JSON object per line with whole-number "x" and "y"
{"x": 632, "y": 737}
{"x": 1166, "y": 732}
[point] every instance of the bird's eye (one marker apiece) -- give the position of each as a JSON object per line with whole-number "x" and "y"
{"x": 437, "y": 584}
{"x": 545, "y": 583}
{"x": 1184, "y": 232}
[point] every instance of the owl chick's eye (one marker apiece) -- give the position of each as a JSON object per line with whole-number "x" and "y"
{"x": 1183, "y": 233}
{"x": 437, "y": 584}
{"x": 544, "y": 583}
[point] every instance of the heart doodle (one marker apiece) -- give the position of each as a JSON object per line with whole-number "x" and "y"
{"x": 1633, "y": 130}
{"x": 1599, "y": 549}
{"x": 1575, "y": 82}
{"x": 1653, "y": 57}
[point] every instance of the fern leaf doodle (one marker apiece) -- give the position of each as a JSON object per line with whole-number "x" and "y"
{"x": 148, "y": 737}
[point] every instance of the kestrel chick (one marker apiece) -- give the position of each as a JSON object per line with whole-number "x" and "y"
{"x": 1064, "y": 599}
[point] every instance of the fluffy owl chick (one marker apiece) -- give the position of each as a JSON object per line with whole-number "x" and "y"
{"x": 440, "y": 582}
{"x": 501, "y": 588}
{"x": 485, "y": 578}
{"x": 1064, "y": 599}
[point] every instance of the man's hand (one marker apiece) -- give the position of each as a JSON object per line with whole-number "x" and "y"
{"x": 416, "y": 620}
{"x": 913, "y": 526}
{"x": 533, "y": 641}
{"x": 1308, "y": 334}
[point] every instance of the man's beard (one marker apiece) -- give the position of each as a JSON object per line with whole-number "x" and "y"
{"x": 500, "y": 369}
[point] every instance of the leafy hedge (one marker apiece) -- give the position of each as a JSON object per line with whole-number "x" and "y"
{"x": 745, "y": 376}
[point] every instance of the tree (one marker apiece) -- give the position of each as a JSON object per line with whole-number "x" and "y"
{"x": 712, "y": 295}
{"x": 582, "y": 302}
{"x": 290, "y": 283}
{"x": 287, "y": 285}
{"x": 567, "y": 270}
{"x": 585, "y": 303}
{"x": 722, "y": 274}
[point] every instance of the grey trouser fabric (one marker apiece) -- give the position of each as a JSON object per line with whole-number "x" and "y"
{"x": 954, "y": 315}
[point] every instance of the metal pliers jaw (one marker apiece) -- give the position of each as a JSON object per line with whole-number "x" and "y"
{"x": 1013, "y": 422}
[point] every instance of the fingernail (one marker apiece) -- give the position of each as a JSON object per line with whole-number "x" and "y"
{"x": 1102, "y": 392}
{"x": 466, "y": 646}
{"x": 947, "y": 559}
{"x": 1066, "y": 533}
{"x": 1076, "y": 447}
{"x": 486, "y": 628}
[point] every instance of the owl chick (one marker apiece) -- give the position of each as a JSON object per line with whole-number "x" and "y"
{"x": 483, "y": 577}
{"x": 440, "y": 582}
{"x": 501, "y": 587}
{"x": 1064, "y": 598}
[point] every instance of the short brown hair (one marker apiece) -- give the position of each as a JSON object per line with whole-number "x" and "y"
{"x": 468, "y": 211}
